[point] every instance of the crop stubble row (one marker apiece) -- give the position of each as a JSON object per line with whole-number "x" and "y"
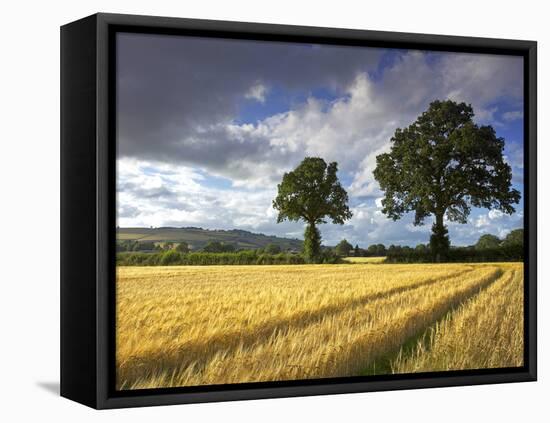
{"x": 189, "y": 326}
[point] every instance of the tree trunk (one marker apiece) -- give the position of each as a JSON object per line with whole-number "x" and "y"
{"x": 439, "y": 241}
{"x": 312, "y": 244}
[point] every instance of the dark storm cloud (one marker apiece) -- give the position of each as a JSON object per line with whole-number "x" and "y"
{"x": 179, "y": 102}
{"x": 154, "y": 193}
{"x": 176, "y": 95}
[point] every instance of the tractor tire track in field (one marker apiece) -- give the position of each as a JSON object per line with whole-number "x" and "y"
{"x": 421, "y": 347}
{"x": 199, "y": 353}
{"x": 382, "y": 365}
{"x": 345, "y": 363}
{"x": 340, "y": 359}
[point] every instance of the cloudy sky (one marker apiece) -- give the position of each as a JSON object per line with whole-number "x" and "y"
{"x": 207, "y": 127}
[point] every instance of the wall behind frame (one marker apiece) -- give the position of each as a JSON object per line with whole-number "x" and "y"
{"x": 30, "y": 192}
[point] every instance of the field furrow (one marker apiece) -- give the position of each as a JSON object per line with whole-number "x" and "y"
{"x": 175, "y": 306}
{"x": 197, "y": 350}
{"x": 337, "y": 337}
{"x": 486, "y": 332}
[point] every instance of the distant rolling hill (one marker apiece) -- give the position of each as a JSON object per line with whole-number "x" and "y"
{"x": 197, "y": 238}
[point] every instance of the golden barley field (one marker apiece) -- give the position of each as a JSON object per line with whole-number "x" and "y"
{"x": 204, "y": 325}
{"x": 371, "y": 260}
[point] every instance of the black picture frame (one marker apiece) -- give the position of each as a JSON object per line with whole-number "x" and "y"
{"x": 88, "y": 209}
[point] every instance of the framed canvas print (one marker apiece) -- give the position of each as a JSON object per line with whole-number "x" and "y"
{"x": 255, "y": 211}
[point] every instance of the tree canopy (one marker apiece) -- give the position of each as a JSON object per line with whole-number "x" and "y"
{"x": 182, "y": 247}
{"x": 343, "y": 248}
{"x": 442, "y": 165}
{"x": 487, "y": 241}
{"x": 312, "y": 193}
{"x": 514, "y": 238}
{"x": 218, "y": 247}
{"x": 272, "y": 249}
{"x": 376, "y": 250}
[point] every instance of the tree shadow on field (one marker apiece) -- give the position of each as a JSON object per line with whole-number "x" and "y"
{"x": 51, "y": 387}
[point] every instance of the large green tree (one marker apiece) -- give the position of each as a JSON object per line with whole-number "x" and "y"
{"x": 514, "y": 238}
{"x": 376, "y": 250}
{"x": 343, "y": 248}
{"x": 312, "y": 193}
{"x": 487, "y": 241}
{"x": 442, "y": 165}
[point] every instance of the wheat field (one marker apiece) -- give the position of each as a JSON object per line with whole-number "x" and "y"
{"x": 193, "y": 325}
